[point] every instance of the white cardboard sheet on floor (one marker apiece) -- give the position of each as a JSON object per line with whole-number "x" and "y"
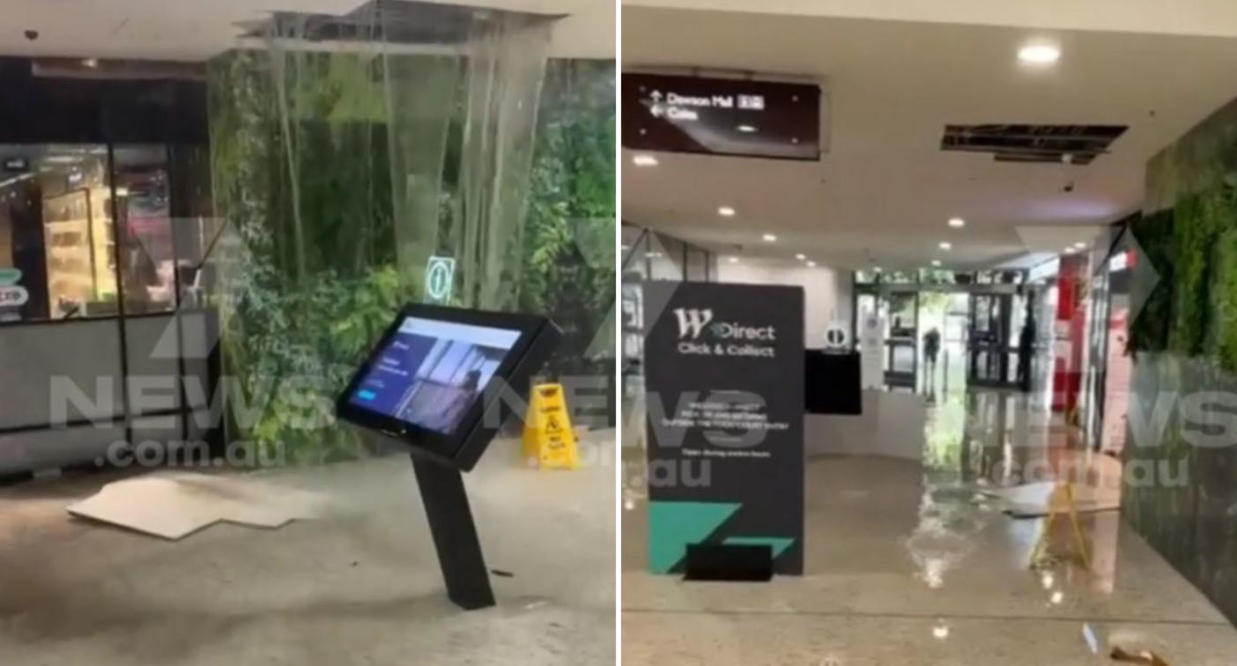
{"x": 1031, "y": 500}
{"x": 173, "y": 505}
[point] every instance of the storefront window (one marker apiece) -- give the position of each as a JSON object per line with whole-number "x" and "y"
{"x": 56, "y": 230}
{"x": 143, "y": 209}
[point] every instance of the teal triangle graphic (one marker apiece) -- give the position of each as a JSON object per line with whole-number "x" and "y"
{"x": 674, "y": 525}
{"x": 778, "y": 544}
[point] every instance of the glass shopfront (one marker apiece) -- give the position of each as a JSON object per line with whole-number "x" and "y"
{"x": 78, "y": 243}
{"x": 104, "y": 224}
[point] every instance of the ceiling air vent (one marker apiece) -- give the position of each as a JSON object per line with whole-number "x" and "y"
{"x": 1071, "y": 144}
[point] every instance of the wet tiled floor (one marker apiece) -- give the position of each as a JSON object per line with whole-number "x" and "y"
{"x": 907, "y": 563}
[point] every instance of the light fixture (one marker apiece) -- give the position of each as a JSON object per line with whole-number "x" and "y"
{"x": 769, "y": 238}
{"x": 653, "y": 255}
{"x": 946, "y": 245}
{"x": 1080, "y": 245}
{"x": 957, "y": 222}
{"x": 1057, "y": 597}
{"x": 746, "y": 129}
{"x": 644, "y": 160}
{"x": 725, "y": 211}
{"x": 800, "y": 256}
{"x": 1069, "y": 249}
{"x": 936, "y": 263}
{"x": 1039, "y": 54}
{"x": 92, "y": 63}
{"x": 733, "y": 260}
{"x": 876, "y": 269}
{"x": 811, "y": 264}
{"x": 940, "y": 631}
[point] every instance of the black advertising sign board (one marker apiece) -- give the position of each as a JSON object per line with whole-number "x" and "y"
{"x": 724, "y": 375}
{"x": 738, "y": 117}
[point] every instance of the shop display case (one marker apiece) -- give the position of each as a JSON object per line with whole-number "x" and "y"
{"x": 80, "y": 243}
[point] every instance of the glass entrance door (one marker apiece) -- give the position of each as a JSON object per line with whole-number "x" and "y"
{"x": 988, "y": 342}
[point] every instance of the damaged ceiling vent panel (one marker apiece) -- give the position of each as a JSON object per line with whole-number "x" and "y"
{"x": 1070, "y": 144}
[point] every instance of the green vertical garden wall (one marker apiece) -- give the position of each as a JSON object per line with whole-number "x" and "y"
{"x": 303, "y": 178}
{"x": 1181, "y": 497}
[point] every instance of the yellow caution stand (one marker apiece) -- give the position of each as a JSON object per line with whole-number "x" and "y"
{"x": 549, "y": 441}
{"x": 1061, "y": 501}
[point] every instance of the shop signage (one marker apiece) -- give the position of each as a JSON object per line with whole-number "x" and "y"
{"x": 740, "y": 117}
{"x": 12, "y": 295}
{"x": 725, "y": 405}
{"x": 439, "y": 279}
{"x": 837, "y": 338}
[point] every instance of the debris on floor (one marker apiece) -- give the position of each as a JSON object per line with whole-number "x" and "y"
{"x": 173, "y": 505}
{"x": 1145, "y": 657}
{"x": 1034, "y": 500}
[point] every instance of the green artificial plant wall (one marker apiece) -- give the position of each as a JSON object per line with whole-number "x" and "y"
{"x": 1179, "y": 495}
{"x": 308, "y": 264}
{"x": 569, "y": 256}
{"x": 310, "y": 268}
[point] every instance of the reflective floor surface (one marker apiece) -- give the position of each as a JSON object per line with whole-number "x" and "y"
{"x": 908, "y": 563}
{"x": 359, "y": 587}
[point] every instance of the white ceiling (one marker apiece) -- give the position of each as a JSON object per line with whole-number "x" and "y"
{"x": 885, "y": 189}
{"x": 1179, "y": 17}
{"x": 198, "y": 29}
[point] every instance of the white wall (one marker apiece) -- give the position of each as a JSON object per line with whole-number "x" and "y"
{"x": 826, "y": 292}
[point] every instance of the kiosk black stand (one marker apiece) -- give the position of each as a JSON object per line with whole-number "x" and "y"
{"x": 455, "y": 534}
{"x": 440, "y": 381}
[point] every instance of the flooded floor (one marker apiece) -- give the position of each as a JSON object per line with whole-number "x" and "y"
{"x": 910, "y": 563}
{"x": 361, "y": 586}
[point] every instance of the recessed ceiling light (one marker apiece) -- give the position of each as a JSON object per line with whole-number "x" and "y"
{"x": 936, "y": 262}
{"x": 1039, "y": 54}
{"x": 811, "y": 264}
{"x": 725, "y": 211}
{"x": 769, "y": 238}
{"x": 946, "y": 245}
{"x": 92, "y": 63}
{"x": 653, "y": 255}
{"x": 877, "y": 268}
{"x": 733, "y": 260}
{"x": 746, "y": 129}
{"x": 644, "y": 160}
{"x": 1080, "y": 245}
{"x": 1069, "y": 249}
{"x": 957, "y": 222}
{"x": 800, "y": 256}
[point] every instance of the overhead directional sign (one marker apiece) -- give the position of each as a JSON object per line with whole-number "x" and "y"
{"x": 740, "y": 117}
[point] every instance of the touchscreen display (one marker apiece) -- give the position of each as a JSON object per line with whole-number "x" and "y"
{"x": 431, "y": 372}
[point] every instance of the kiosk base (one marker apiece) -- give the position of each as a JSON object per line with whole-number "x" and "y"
{"x": 455, "y": 534}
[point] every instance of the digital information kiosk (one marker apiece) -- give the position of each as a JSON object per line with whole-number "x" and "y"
{"x": 438, "y": 382}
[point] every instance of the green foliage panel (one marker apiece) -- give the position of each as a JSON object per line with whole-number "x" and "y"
{"x": 1176, "y": 494}
{"x": 301, "y": 170}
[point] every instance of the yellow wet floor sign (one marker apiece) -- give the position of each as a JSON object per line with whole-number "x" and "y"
{"x": 1061, "y": 502}
{"x": 549, "y": 441}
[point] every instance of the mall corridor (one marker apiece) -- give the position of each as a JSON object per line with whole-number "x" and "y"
{"x": 910, "y": 562}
